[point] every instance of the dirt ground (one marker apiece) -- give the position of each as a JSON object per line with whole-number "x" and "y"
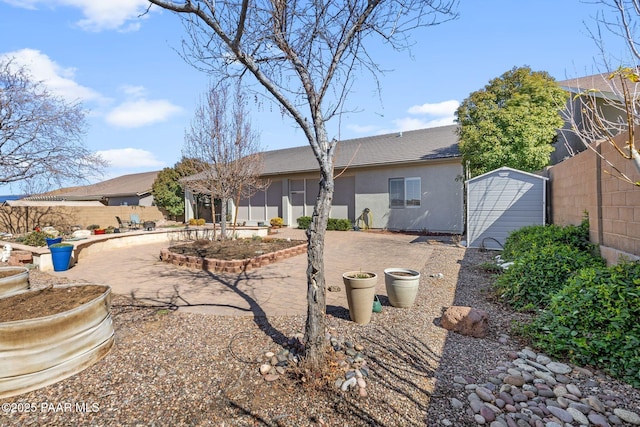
{"x": 233, "y": 249}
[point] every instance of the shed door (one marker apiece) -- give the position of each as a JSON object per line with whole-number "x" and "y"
{"x": 501, "y": 203}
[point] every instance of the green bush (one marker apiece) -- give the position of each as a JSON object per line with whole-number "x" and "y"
{"x": 539, "y": 273}
{"x": 594, "y": 321}
{"x": 304, "y": 222}
{"x": 35, "y": 238}
{"x": 332, "y": 224}
{"x": 536, "y": 237}
{"x": 339, "y": 224}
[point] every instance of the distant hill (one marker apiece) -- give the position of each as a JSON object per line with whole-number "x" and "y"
{"x": 11, "y": 197}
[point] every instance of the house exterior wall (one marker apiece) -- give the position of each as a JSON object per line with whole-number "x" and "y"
{"x": 441, "y": 204}
{"x": 131, "y": 201}
{"x": 585, "y": 183}
{"x": 500, "y": 202}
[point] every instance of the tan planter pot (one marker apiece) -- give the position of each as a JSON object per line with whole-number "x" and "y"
{"x": 402, "y": 286}
{"x": 38, "y": 352}
{"x": 18, "y": 281}
{"x": 360, "y": 295}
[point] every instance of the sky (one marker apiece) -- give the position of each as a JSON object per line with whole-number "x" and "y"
{"x": 141, "y": 96}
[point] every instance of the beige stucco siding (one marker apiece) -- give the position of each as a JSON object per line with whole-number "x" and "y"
{"x": 441, "y": 205}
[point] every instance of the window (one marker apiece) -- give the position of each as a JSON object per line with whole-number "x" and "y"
{"x": 404, "y": 192}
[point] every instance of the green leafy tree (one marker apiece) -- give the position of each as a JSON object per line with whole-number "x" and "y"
{"x": 167, "y": 190}
{"x": 512, "y": 122}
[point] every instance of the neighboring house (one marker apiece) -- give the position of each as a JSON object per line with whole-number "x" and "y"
{"x": 131, "y": 190}
{"x": 409, "y": 181}
{"x": 599, "y": 85}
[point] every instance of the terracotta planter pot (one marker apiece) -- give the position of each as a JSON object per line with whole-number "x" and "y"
{"x": 13, "y": 279}
{"x": 41, "y": 351}
{"x": 360, "y": 294}
{"x": 402, "y": 286}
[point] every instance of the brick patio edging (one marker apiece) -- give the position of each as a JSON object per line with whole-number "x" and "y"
{"x": 230, "y": 266}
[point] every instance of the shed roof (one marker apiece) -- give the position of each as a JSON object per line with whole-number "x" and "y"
{"x": 506, "y": 169}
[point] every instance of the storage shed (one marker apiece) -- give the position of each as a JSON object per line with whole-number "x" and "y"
{"x": 501, "y": 201}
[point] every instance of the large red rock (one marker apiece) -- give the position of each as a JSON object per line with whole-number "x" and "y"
{"x": 466, "y": 321}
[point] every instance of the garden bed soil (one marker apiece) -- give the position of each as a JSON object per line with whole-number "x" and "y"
{"x": 46, "y": 302}
{"x": 9, "y": 273}
{"x": 233, "y": 249}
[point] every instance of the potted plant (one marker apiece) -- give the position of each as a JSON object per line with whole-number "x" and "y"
{"x": 61, "y": 256}
{"x": 361, "y": 290}
{"x": 96, "y": 229}
{"x": 402, "y": 286}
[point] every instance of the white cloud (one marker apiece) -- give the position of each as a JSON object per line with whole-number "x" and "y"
{"x": 59, "y": 80}
{"x": 411, "y": 123}
{"x": 446, "y": 108}
{"x": 363, "y": 130}
{"x": 98, "y": 15}
{"x": 142, "y": 112}
{"x": 130, "y": 158}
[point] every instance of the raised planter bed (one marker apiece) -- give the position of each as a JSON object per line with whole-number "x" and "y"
{"x": 51, "y": 334}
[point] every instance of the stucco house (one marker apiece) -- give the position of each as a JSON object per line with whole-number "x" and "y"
{"x": 132, "y": 190}
{"x": 407, "y": 181}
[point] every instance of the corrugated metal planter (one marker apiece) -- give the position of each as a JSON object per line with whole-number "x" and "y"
{"x": 402, "y": 286}
{"x": 38, "y": 352}
{"x": 14, "y": 279}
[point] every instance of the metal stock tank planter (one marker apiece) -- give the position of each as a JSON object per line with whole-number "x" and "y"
{"x": 402, "y": 286}
{"x": 361, "y": 290}
{"x": 13, "y": 279}
{"x": 42, "y": 346}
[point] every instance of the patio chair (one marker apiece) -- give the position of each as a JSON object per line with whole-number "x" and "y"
{"x": 123, "y": 225}
{"x": 134, "y": 221}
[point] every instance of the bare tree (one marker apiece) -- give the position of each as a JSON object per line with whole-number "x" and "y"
{"x": 611, "y": 105}
{"x": 40, "y": 133}
{"x": 227, "y": 150}
{"x": 305, "y": 55}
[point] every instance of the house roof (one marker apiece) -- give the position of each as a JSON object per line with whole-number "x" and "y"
{"x": 394, "y": 148}
{"x": 137, "y": 184}
{"x": 44, "y": 203}
{"x": 600, "y": 82}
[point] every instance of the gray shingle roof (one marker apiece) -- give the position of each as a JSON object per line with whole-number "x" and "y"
{"x": 395, "y": 148}
{"x": 136, "y": 184}
{"x": 599, "y": 82}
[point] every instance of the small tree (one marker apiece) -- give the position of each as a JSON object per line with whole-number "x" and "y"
{"x": 306, "y": 56}
{"x": 167, "y": 190}
{"x": 221, "y": 139}
{"x": 40, "y": 133}
{"x": 512, "y": 122}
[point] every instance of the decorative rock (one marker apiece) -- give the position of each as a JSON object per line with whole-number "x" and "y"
{"x": 627, "y": 416}
{"x": 476, "y": 406}
{"x": 479, "y": 419}
{"x": 348, "y": 383}
{"x": 362, "y": 392}
{"x": 578, "y": 416}
{"x": 542, "y": 359}
{"x": 515, "y": 380}
{"x": 459, "y": 379}
{"x": 280, "y": 370}
{"x": 361, "y": 383}
{"x": 466, "y": 321}
{"x": 264, "y": 369}
{"x": 485, "y": 394}
{"x": 487, "y": 414}
{"x": 561, "y": 414}
{"x": 558, "y": 368}
{"x": 456, "y": 404}
{"x": 269, "y": 354}
{"x": 446, "y": 422}
{"x": 519, "y": 397}
{"x": 595, "y": 404}
{"x": 271, "y": 377}
{"x": 545, "y": 377}
{"x": 598, "y": 420}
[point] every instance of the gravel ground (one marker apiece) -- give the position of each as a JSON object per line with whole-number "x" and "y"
{"x": 172, "y": 368}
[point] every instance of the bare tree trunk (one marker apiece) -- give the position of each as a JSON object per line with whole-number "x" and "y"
{"x": 213, "y": 217}
{"x": 223, "y": 218}
{"x": 315, "y": 343}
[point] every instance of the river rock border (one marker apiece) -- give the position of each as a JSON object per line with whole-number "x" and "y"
{"x": 230, "y": 266}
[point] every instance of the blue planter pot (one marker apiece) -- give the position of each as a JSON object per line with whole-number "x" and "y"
{"x": 52, "y": 241}
{"x": 61, "y": 257}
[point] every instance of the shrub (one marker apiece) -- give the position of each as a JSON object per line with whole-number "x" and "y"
{"x": 332, "y": 224}
{"x": 594, "y": 321}
{"x": 339, "y": 224}
{"x": 304, "y": 222}
{"x": 536, "y": 237}
{"x": 201, "y": 221}
{"x": 35, "y": 238}
{"x": 93, "y": 227}
{"x": 193, "y": 221}
{"x": 276, "y": 222}
{"x": 539, "y": 273}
